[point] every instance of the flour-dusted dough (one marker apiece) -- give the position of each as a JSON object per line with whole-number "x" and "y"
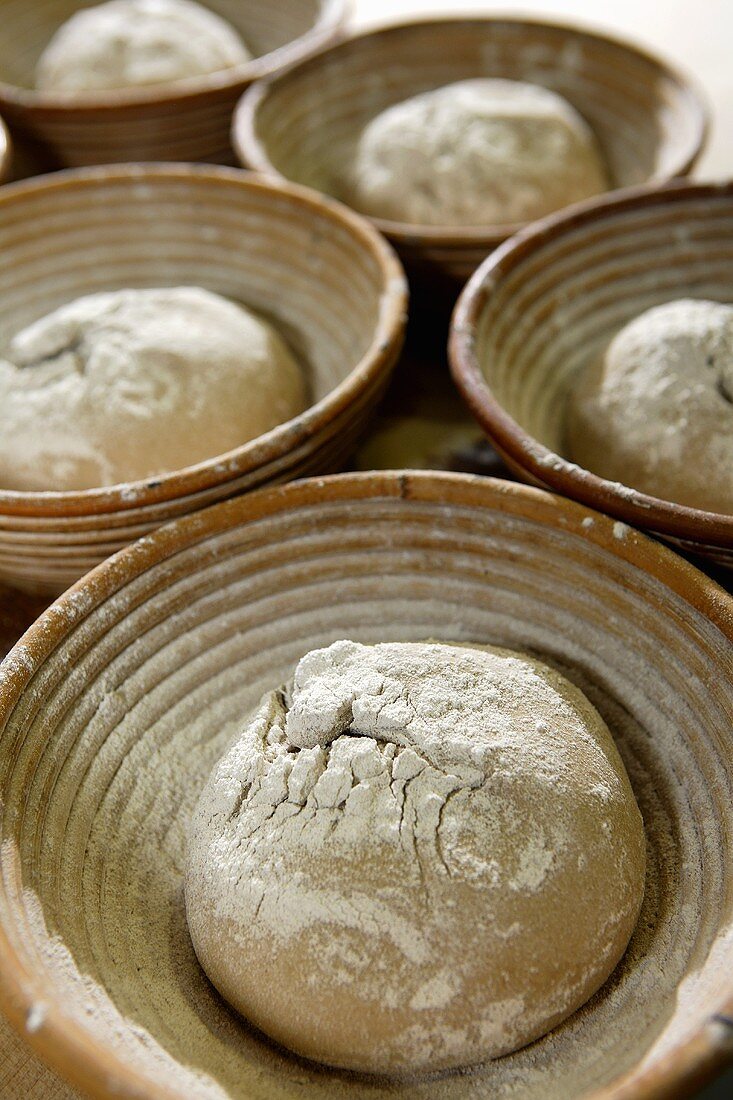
{"x": 424, "y": 856}
{"x": 124, "y": 385}
{"x": 655, "y": 410}
{"x": 480, "y": 152}
{"x": 131, "y": 43}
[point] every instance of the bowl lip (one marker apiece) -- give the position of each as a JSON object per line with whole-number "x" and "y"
{"x": 70, "y": 1049}
{"x": 524, "y": 451}
{"x": 334, "y": 16}
{"x": 374, "y": 365}
{"x": 251, "y": 150}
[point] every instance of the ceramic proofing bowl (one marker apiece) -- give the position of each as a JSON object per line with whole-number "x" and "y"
{"x": 115, "y": 704}
{"x": 302, "y": 123}
{"x": 326, "y": 279}
{"x": 186, "y": 121}
{"x": 548, "y": 301}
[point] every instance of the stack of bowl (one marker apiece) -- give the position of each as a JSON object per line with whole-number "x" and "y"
{"x": 252, "y": 240}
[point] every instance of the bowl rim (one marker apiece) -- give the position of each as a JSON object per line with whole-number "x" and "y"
{"x": 522, "y": 450}
{"x": 335, "y": 15}
{"x": 70, "y": 1049}
{"x": 379, "y": 357}
{"x": 251, "y": 151}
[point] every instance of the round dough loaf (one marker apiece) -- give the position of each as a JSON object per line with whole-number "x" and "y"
{"x": 120, "y": 386}
{"x": 655, "y": 410}
{"x": 480, "y": 152}
{"x": 133, "y": 43}
{"x": 424, "y": 856}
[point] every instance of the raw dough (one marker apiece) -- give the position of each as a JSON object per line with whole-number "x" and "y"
{"x": 424, "y": 856}
{"x": 480, "y": 152}
{"x": 655, "y": 410}
{"x": 130, "y": 43}
{"x": 124, "y": 385}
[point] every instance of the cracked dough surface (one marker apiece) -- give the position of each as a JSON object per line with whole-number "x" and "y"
{"x": 119, "y": 386}
{"x": 134, "y": 43}
{"x": 655, "y": 410}
{"x": 417, "y": 857}
{"x": 478, "y": 152}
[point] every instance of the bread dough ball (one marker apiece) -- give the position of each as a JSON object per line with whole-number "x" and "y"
{"x": 420, "y": 857}
{"x": 121, "y": 386}
{"x": 655, "y": 410}
{"x": 480, "y": 152}
{"x": 133, "y": 43}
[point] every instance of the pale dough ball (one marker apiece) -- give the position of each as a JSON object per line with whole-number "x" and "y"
{"x": 124, "y": 385}
{"x": 131, "y": 43}
{"x": 655, "y": 410}
{"x": 480, "y": 152}
{"x": 421, "y": 857}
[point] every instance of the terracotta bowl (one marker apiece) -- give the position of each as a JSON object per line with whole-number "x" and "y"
{"x": 302, "y": 123}
{"x": 115, "y": 704}
{"x": 188, "y": 121}
{"x": 545, "y": 304}
{"x": 327, "y": 279}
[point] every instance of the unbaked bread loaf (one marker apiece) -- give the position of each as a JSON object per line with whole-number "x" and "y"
{"x": 655, "y": 410}
{"x": 417, "y": 857}
{"x": 124, "y": 385}
{"x": 475, "y": 153}
{"x": 136, "y": 43}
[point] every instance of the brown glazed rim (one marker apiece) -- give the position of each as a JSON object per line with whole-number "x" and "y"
{"x": 252, "y": 152}
{"x": 551, "y": 469}
{"x": 327, "y": 29}
{"x": 89, "y": 1064}
{"x": 266, "y": 448}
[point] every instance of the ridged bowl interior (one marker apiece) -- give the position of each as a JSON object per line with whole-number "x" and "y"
{"x": 324, "y": 277}
{"x": 188, "y": 120}
{"x": 545, "y": 305}
{"x": 116, "y": 703}
{"x": 304, "y": 122}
